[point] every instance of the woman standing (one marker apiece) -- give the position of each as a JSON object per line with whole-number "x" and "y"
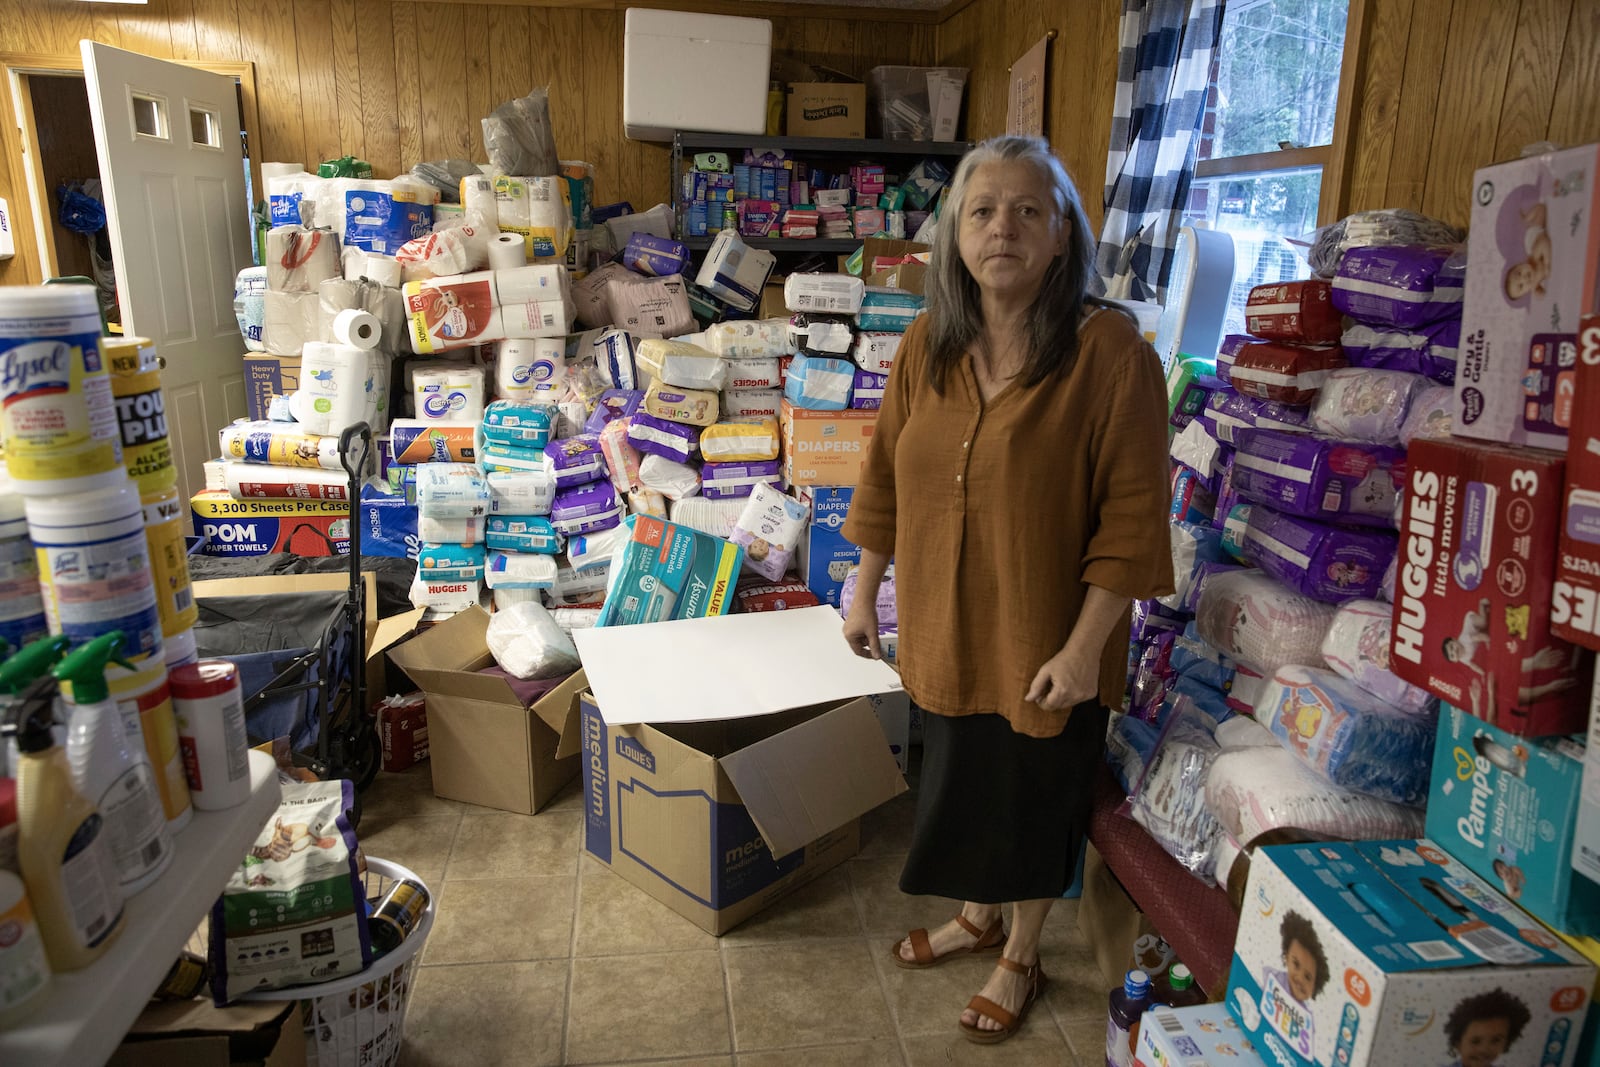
{"x": 1018, "y": 477}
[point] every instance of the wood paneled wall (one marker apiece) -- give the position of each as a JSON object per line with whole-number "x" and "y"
{"x": 395, "y": 81}
{"x": 987, "y": 36}
{"x": 1449, "y": 85}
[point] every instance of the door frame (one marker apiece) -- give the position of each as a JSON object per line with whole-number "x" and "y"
{"x": 35, "y": 243}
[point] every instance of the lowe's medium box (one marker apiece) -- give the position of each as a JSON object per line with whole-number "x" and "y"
{"x": 1392, "y": 953}
{"x": 1507, "y": 807}
{"x": 720, "y": 798}
{"x": 686, "y": 71}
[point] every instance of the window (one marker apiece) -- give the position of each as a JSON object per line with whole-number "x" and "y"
{"x": 1267, "y": 134}
{"x": 149, "y": 115}
{"x": 204, "y": 129}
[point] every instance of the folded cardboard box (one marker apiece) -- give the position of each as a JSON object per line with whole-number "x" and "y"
{"x": 194, "y": 1033}
{"x": 486, "y": 746}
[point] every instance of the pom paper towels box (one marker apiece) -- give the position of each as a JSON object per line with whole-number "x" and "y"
{"x": 1507, "y": 807}
{"x": 1391, "y": 953}
{"x": 1530, "y": 275}
{"x": 1473, "y": 587}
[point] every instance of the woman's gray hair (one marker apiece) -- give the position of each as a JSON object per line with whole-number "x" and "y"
{"x": 955, "y": 313}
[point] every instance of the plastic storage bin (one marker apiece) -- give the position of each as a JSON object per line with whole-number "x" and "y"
{"x": 685, "y": 71}
{"x": 916, "y": 103}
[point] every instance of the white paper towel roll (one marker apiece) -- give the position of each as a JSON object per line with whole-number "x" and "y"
{"x": 357, "y": 329}
{"x": 527, "y": 284}
{"x": 336, "y": 388}
{"x": 522, "y": 365}
{"x": 373, "y": 266}
{"x": 478, "y": 202}
{"x": 507, "y": 251}
{"x": 449, "y": 393}
{"x": 255, "y": 481}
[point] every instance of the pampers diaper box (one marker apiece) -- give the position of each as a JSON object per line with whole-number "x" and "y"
{"x": 1203, "y": 1035}
{"x": 1392, "y": 953}
{"x": 1507, "y": 807}
{"x": 1531, "y": 272}
{"x": 1474, "y": 583}
{"x": 825, "y": 557}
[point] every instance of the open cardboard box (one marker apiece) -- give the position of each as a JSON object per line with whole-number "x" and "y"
{"x": 194, "y": 1033}
{"x": 484, "y": 744}
{"x": 719, "y": 800}
{"x": 908, "y": 276}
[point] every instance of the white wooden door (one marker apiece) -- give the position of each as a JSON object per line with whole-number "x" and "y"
{"x": 172, "y": 169}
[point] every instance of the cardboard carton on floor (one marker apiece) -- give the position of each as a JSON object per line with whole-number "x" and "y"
{"x": 487, "y": 746}
{"x": 194, "y": 1033}
{"x": 717, "y": 799}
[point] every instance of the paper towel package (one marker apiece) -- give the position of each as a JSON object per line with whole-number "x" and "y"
{"x": 1531, "y": 273}
{"x": 299, "y": 259}
{"x": 665, "y": 87}
{"x": 734, "y": 272}
{"x": 537, "y": 208}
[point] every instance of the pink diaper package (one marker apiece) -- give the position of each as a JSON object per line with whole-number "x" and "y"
{"x": 1293, "y": 311}
{"x": 575, "y": 460}
{"x": 1431, "y": 350}
{"x": 1228, "y": 412}
{"x": 1401, "y": 285}
{"x": 622, "y": 459}
{"x": 1276, "y": 370}
{"x": 1318, "y": 477}
{"x": 663, "y": 437}
{"x": 1357, "y": 646}
{"x": 1253, "y": 618}
{"x": 769, "y": 528}
{"x": 1432, "y": 412}
{"x": 1358, "y": 404}
{"x": 1330, "y": 563}
{"x": 725, "y": 480}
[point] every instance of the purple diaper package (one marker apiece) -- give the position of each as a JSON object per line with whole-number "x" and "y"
{"x": 613, "y": 404}
{"x": 1228, "y": 412}
{"x": 1362, "y": 404}
{"x": 1320, "y": 478}
{"x": 1228, "y": 351}
{"x": 724, "y": 480}
{"x": 664, "y": 438}
{"x": 888, "y": 613}
{"x": 868, "y": 390}
{"x": 1328, "y": 563}
{"x": 1191, "y": 401}
{"x": 658, "y": 256}
{"x": 1151, "y": 617}
{"x": 1430, "y": 350}
{"x": 575, "y": 460}
{"x": 1432, "y": 415}
{"x": 1401, "y": 285}
{"x": 586, "y": 509}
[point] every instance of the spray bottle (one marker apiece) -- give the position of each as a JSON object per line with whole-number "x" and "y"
{"x": 20, "y": 671}
{"x": 68, "y": 864}
{"x": 112, "y": 769}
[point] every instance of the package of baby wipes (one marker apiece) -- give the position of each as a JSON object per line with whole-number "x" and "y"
{"x": 451, "y": 491}
{"x": 750, "y": 440}
{"x": 673, "y": 480}
{"x": 518, "y": 422}
{"x": 522, "y": 533}
{"x": 666, "y": 571}
{"x": 769, "y": 528}
{"x": 819, "y": 383}
{"x": 513, "y": 570}
{"x": 529, "y": 492}
{"x": 680, "y": 364}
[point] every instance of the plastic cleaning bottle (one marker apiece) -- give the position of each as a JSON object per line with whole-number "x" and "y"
{"x": 111, "y": 768}
{"x": 68, "y": 864}
{"x": 1122, "y": 1025}
{"x": 22, "y": 670}
{"x": 1178, "y": 989}
{"x": 24, "y": 972}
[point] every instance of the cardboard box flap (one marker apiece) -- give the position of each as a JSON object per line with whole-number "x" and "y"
{"x": 558, "y": 709}
{"x": 631, "y": 668}
{"x": 813, "y": 778}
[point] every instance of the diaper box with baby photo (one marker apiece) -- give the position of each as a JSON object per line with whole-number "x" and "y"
{"x": 1531, "y": 272}
{"x": 824, "y": 556}
{"x": 1473, "y": 585}
{"x": 1392, "y": 952}
{"x": 1507, "y": 807}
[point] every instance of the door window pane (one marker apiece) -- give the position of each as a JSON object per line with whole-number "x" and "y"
{"x": 203, "y": 128}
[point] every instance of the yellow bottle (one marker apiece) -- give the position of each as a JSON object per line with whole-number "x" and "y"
{"x": 62, "y": 842}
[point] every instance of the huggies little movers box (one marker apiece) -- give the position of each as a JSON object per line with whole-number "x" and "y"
{"x": 1390, "y": 953}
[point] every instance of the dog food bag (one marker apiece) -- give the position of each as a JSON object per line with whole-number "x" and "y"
{"x": 294, "y": 911}
{"x": 769, "y": 528}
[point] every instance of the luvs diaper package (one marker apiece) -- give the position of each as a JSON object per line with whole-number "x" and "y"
{"x": 1391, "y": 953}
{"x": 666, "y": 571}
{"x": 1531, "y": 274}
{"x": 769, "y": 528}
{"x": 1404, "y": 286}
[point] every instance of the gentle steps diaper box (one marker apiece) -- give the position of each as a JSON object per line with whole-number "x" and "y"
{"x": 1392, "y": 953}
{"x": 1507, "y": 807}
{"x": 1203, "y": 1035}
{"x": 1531, "y": 272}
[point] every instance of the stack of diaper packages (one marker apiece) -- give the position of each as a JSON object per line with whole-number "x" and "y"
{"x": 828, "y": 344}
{"x": 452, "y": 510}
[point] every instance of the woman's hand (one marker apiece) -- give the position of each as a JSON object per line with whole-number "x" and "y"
{"x": 1066, "y": 680}
{"x": 861, "y": 627}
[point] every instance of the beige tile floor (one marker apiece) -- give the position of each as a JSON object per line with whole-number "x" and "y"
{"x": 542, "y": 956}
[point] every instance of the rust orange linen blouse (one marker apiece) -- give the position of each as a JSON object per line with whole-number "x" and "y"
{"x": 999, "y": 515}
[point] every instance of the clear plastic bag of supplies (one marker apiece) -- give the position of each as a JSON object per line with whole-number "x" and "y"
{"x": 1170, "y": 800}
{"x": 528, "y": 643}
{"x": 518, "y": 139}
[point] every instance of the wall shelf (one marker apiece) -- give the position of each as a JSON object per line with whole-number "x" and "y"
{"x": 784, "y": 244}
{"x": 688, "y": 140}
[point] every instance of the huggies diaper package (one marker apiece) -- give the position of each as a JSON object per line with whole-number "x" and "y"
{"x": 1531, "y": 275}
{"x": 752, "y": 339}
{"x": 1276, "y": 370}
{"x": 1392, "y": 953}
{"x": 666, "y": 571}
{"x": 742, "y": 403}
{"x": 522, "y": 533}
{"x": 760, "y": 372}
{"x": 875, "y": 350}
{"x": 769, "y": 528}
{"x": 1294, "y": 311}
{"x": 445, "y": 595}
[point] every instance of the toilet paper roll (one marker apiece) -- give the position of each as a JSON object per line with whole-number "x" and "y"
{"x": 373, "y": 266}
{"x": 507, "y": 251}
{"x": 522, "y": 365}
{"x": 357, "y": 329}
{"x": 449, "y": 393}
{"x": 336, "y": 388}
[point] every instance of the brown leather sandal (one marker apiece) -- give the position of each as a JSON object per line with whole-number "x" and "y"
{"x": 1009, "y": 1023}
{"x": 990, "y": 940}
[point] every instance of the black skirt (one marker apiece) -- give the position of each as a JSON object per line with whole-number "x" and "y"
{"x": 1002, "y": 816}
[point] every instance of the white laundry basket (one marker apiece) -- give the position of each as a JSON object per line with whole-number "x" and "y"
{"x": 359, "y": 1021}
